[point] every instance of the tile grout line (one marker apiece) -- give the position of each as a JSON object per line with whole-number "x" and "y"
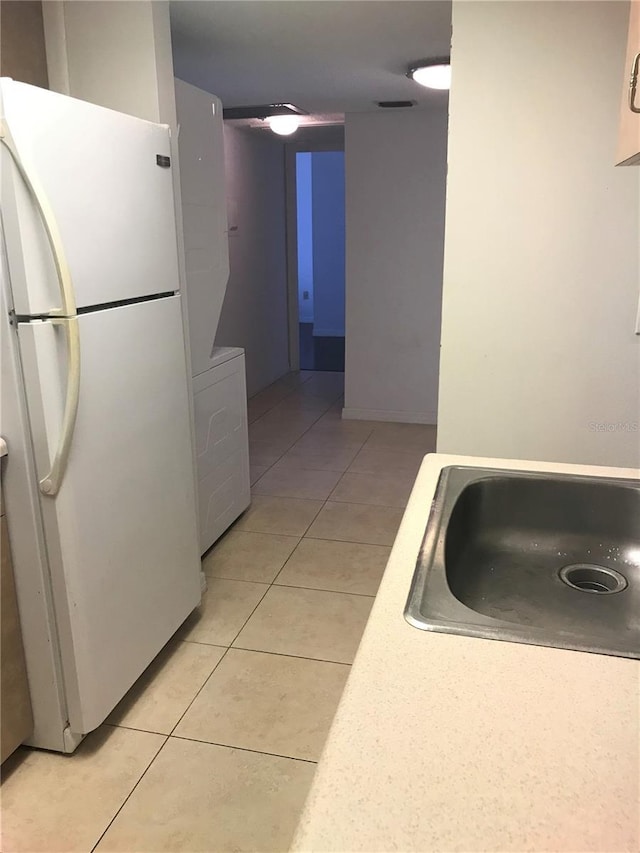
{"x": 291, "y": 446}
{"x": 297, "y": 586}
{"x": 300, "y": 538}
{"x": 246, "y": 749}
{"x": 280, "y": 654}
{"x": 166, "y": 739}
{"x": 330, "y": 498}
{"x": 324, "y": 503}
{"x": 342, "y": 471}
{"x": 126, "y": 799}
{"x": 320, "y": 416}
{"x": 135, "y": 729}
{"x": 290, "y": 393}
{"x": 335, "y": 500}
{"x": 268, "y": 586}
{"x": 346, "y": 541}
{"x": 272, "y": 582}
{"x": 334, "y": 470}
{"x": 275, "y": 382}
{"x": 258, "y": 652}
{"x": 186, "y": 710}
{"x": 282, "y": 567}
{"x": 269, "y": 467}
{"x": 291, "y": 655}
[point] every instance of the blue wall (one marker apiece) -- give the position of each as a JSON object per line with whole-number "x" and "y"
{"x": 305, "y": 237}
{"x": 327, "y": 168}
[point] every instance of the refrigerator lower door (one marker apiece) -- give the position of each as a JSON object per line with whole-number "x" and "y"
{"x": 121, "y": 533}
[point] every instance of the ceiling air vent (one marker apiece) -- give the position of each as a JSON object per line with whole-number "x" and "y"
{"x": 394, "y": 105}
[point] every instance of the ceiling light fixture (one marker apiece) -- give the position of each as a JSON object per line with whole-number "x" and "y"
{"x": 435, "y": 74}
{"x": 284, "y": 125}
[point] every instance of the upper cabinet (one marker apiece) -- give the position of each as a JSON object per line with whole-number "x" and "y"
{"x": 629, "y": 137}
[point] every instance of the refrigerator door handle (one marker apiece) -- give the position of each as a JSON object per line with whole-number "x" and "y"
{"x": 50, "y": 484}
{"x": 68, "y": 308}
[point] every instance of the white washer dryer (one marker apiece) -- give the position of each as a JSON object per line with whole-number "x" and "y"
{"x": 222, "y": 445}
{"x": 218, "y": 374}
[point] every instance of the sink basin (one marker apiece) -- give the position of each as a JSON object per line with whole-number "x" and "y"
{"x": 532, "y": 558}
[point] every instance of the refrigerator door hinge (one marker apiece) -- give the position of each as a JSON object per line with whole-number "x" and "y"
{"x": 71, "y": 740}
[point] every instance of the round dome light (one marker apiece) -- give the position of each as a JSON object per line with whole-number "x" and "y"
{"x": 432, "y": 76}
{"x": 284, "y": 125}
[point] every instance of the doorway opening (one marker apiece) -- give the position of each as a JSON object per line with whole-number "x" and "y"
{"x": 320, "y": 227}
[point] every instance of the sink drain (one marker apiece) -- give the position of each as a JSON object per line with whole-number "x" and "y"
{"x": 589, "y": 578}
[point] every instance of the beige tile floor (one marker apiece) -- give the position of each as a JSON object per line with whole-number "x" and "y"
{"x": 215, "y": 746}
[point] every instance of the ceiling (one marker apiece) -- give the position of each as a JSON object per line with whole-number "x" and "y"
{"x": 325, "y": 56}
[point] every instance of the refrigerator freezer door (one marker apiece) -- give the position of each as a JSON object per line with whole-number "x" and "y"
{"x": 106, "y": 179}
{"x": 121, "y": 532}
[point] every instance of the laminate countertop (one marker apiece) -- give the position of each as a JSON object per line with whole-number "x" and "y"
{"x": 452, "y": 743}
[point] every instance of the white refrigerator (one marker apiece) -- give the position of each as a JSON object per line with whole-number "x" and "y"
{"x": 95, "y": 409}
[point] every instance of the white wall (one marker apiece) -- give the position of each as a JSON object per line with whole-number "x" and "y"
{"x": 116, "y": 54}
{"x": 204, "y": 211}
{"x": 22, "y": 46}
{"x": 541, "y": 269}
{"x": 395, "y": 197}
{"x": 327, "y": 168}
{"x": 254, "y": 313}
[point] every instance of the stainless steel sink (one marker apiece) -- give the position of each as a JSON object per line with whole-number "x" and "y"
{"x": 532, "y": 558}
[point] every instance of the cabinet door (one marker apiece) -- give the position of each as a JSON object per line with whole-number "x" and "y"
{"x": 629, "y": 137}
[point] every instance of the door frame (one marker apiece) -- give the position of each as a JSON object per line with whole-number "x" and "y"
{"x": 329, "y": 138}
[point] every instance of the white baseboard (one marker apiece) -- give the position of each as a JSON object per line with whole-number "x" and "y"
{"x": 386, "y": 415}
{"x": 327, "y": 333}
